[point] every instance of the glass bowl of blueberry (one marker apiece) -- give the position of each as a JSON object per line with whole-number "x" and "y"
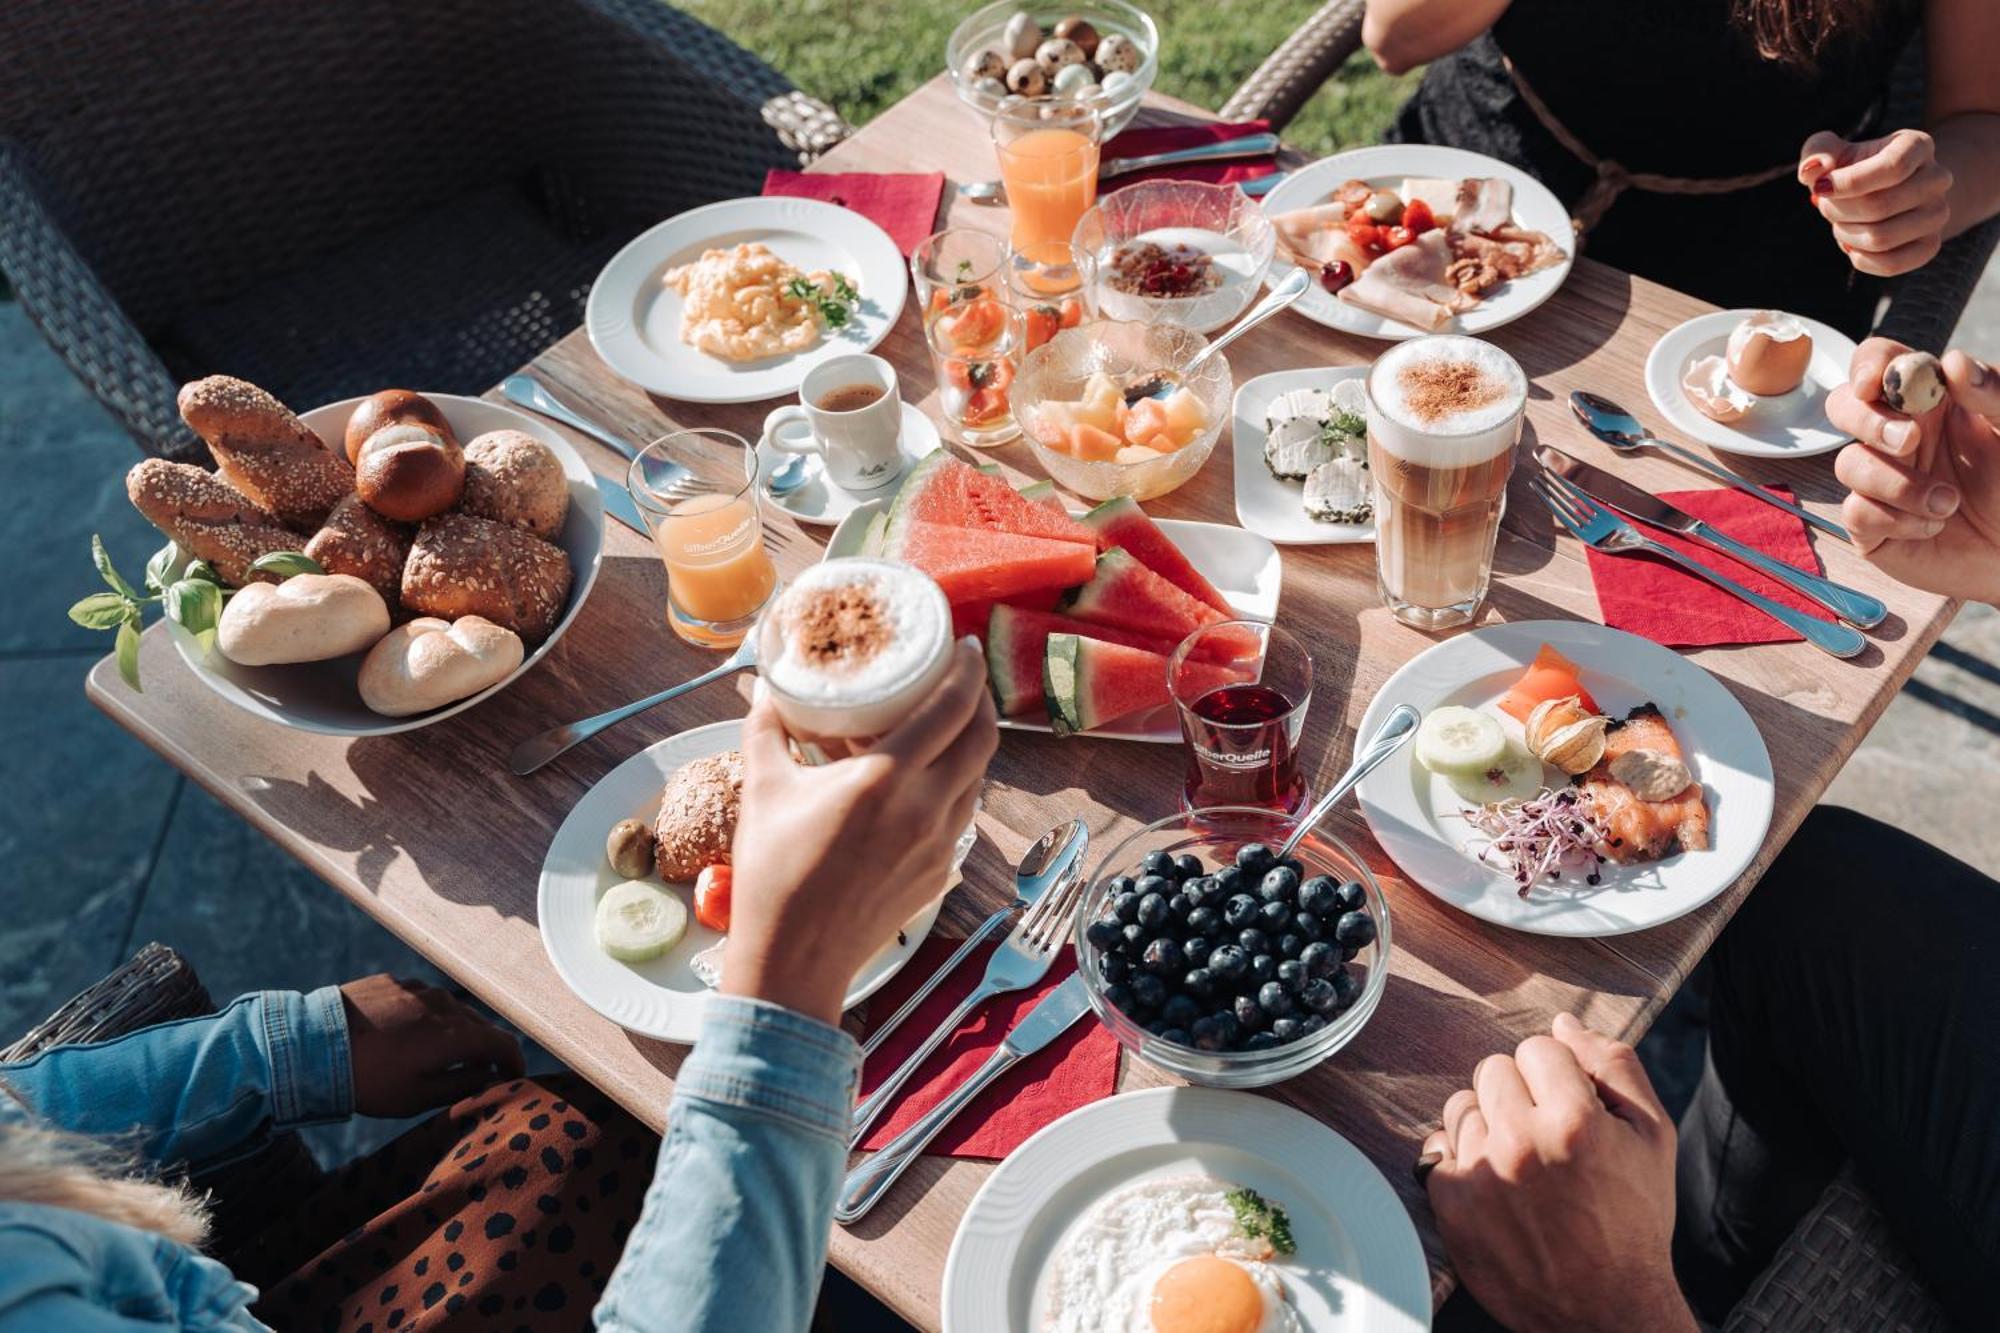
{"x": 1207, "y": 956}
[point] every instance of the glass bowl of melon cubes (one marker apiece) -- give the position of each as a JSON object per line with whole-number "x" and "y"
{"x": 1070, "y": 398}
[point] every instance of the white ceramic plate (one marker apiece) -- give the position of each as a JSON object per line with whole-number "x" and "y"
{"x": 663, "y": 998}
{"x": 321, "y": 696}
{"x": 1413, "y": 814}
{"x": 1387, "y": 165}
{"x": 635, "y": 320}
{"x": 1357, "y": 1265}
{"x": 1243, "y": 566}
{"x": 1265, "y": 505}
{"x": 1791, "y": 425}
{"x": 819, "y": 500}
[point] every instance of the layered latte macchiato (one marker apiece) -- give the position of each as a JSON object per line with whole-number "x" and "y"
{"x": 852, "y": 645}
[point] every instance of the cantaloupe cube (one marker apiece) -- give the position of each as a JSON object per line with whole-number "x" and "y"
{"x": 1186, "y": 417}
{"x": 1146, "y": 420}
{"x": 1101, "y": 404}
{"x": 1051, "y": 425}
{"x": 1138, "y": 453}
{"x": 1087, "y": 441}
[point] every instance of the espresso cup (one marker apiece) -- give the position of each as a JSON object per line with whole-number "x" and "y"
{"x": 860, "y": 446}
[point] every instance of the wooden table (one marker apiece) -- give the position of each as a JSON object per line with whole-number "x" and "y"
{"x": 429, "y": 834}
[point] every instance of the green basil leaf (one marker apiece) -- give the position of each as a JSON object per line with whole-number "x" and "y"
{"x": 207, "y": 641}
{"x": 128, "y": 654}
{"x": 285, "y": 564}
{"x": 102, "y": 559}
{"x": 195, "y": 605}
{"x": 201, "y": 569}
{"x": 100, "y": 610}
{"x": 163, "y": 560}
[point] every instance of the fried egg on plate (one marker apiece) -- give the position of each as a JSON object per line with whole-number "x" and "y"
{"x": 1167, "y": 1256}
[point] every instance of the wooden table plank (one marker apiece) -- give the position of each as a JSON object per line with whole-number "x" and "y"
{"x": 427, "y": 833}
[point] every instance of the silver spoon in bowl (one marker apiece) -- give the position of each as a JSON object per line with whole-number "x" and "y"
{"x": 1163, "y": 382}
{"x": 1389, "y": 737}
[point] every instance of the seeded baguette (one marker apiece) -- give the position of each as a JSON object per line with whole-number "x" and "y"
{"x": 210, "y": 519}
{"x": 265, "y": 452}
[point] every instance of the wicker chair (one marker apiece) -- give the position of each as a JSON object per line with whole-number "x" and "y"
{"x": 1923, "y": 307}
{"x": 332, "y": 197}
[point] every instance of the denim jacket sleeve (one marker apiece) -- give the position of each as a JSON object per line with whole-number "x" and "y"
{"x": 200, "y": 1089}
{"x": 734, "y": 1230}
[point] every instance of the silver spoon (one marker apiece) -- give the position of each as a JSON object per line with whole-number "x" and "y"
{"x": 537, "y": 750}
{"x": 1389, "y": 738}
{"x": 1622, "y": 431}
{"x": 1158, "y": 385}
{"x": 788, "y": 478}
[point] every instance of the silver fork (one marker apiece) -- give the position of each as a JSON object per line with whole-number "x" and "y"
{"x": 1594, "y": 525}
{"x": 1022, "y": 959}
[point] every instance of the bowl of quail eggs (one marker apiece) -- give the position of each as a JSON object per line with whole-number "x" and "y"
{"x": 1104, "y": 55}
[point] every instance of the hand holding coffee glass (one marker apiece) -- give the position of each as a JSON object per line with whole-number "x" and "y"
{"x": 849, "y": 413}
{"x": 697, "y": 491}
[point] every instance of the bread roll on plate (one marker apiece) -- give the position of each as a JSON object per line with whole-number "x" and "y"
{"x": 513, "y": 478}
{"x": 466, "y": 566}
{"x": 307, "y": 618}
{"x": 429, "y": 663}
{"x": 209, "y": 519}
{"x": 356, "y": 540}
{"x": 266, "y": 452}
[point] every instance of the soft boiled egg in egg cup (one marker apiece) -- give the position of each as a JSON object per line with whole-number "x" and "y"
{"x": 1766, "y": 357}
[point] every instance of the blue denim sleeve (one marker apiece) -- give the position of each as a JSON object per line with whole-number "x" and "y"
{"x": 200, "y": 1089}
{"x": 736, "y": 1219}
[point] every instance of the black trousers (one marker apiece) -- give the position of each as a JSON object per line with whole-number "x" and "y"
{"x": 1855, "y": 1017}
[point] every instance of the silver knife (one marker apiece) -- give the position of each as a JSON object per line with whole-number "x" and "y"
{"x": 619, "y": 504}
{"x": 1851, "y": 605}
{"x": 866, "y": 1184}
{"x": 1262, "y": 185}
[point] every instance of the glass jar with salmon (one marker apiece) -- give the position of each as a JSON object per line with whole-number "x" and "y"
{"x": 975, "y": 351}
{"x": 1049, "y": 283}
{"x": 957, "y": 266}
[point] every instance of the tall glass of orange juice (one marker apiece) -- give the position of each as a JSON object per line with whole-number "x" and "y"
{"x": 1050, "y": 170}
{"x": 697, "y": 491}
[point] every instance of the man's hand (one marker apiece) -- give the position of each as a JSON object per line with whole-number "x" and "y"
{"x": 1925, "y": 502}
{"x": 831, "y": 861}
{"x": 1888, "y": 199}
{"x": 1554, "y": 1188}
{"x": 414, "y": 1047}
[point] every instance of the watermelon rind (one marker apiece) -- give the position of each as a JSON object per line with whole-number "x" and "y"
{"x": 1059, "y": 681}
{"x": 873, "y": 535}
{"x": 903, "y": 507}
{"x": 1009, "y": 694}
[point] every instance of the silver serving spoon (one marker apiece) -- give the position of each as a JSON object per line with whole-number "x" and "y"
{"x": 1622, "y": 431}
{"x": 1389, "y": 737}
{"x": 1161, "y": 383}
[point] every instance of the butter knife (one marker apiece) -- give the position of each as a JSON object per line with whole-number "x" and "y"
{"x": 619, "y": 504}
{"x": 866, "y": 1184}
{"x": 1851, "y": 605}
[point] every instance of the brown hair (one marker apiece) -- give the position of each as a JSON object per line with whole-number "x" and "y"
{"x": 1797, "y": 32}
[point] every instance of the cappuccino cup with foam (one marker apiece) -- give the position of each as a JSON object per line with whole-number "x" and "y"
{"x": 851, "y": 646}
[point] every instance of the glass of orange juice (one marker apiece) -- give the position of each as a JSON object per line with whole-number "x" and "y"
{"x": 1050, "y": 169}
{"x": 697, "y": 491}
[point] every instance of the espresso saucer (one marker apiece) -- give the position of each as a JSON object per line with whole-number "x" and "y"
{"x": 819, "y": 500}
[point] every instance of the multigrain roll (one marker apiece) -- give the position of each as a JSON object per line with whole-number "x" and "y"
{"x": 210, "y": 519}
{"x": 513, "y": 478}
{"x": 388, "y": 408}
{"x": 697, "y": 819}
{"x": 461, "y": 565}
{"x": 356, "y": 540}
{"x": 265, "y": 452}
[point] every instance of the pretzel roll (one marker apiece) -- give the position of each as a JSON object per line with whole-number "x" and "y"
{"x": 356, "y": 540}
{"x": 388, "y": 408}
{"x": 429, "y": 663}
{"x": 513, "y": 478}
{"x": 408, "y": 472}
{"x": 466, "y": 566}
{"x": 210, "y": 519}
{"x": 265, "y": 452}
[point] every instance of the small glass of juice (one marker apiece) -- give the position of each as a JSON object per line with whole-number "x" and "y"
{"x": 697, "y": 491}
{"x": 1050, "y": 170}
{"x": 1050, "y": 285}
{"x": 957, "y": 265}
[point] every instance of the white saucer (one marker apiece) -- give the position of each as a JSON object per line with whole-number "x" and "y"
{"x": 1265, "y": 504}
{"x": 1791, "y": 425}
{"x": 819, "y": 500}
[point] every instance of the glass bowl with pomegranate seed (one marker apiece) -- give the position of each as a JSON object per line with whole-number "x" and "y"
{"x": 1177, "y": 252}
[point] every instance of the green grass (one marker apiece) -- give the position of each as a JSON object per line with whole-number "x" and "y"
{"x": 863, "y": 55}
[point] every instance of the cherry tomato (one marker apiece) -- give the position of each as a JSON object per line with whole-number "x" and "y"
{"x": 985, "y": 407}
{"x": 990, "y": 374}
{"x": 1363, "y": 232}
{"x": 1042, "y": 324}
{"x": 1418, "y": 218}
{"x": 1395, "y": 238}
{"x": 711, "y": 897}
{"x": 979, "y": 324}
{"x": 1072, "y": 313}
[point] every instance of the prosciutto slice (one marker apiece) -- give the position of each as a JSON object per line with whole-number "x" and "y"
{"x": 1485, "y": 205}
{"x": 1313, "y": 236}
{"x": 1409, "y": 284}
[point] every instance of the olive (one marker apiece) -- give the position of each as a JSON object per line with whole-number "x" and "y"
{"x": 629, "y": 848}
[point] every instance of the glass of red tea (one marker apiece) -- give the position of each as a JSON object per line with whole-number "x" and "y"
{"x": 1242, "y": 727}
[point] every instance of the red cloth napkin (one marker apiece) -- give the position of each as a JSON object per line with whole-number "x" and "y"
{"x": 1078, "y": 1068}
{"x": 1652, "y": 598}
{"x": 904, "y": 204}
{"x": 1165, "y": 138}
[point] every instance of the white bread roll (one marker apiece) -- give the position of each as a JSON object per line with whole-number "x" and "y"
{"x": 307, "y": 618}
{"x": 429, "y": 663}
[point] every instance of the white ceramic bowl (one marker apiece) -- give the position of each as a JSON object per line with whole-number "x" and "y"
{"x": 321, "y": 696}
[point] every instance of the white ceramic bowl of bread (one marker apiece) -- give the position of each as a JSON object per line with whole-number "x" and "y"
{"x": 324, "y": 696}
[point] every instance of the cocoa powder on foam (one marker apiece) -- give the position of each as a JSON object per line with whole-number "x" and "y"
{"x": 1434, "y": 390}
{"x": 841, "y": 627}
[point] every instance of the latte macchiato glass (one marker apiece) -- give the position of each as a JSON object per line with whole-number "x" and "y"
{"x": 851, "y": 646}
{"x": 1444, "y": 415}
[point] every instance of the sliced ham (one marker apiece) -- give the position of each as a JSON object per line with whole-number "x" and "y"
{"x": 1409, "y": 284}
{"x": 1311, "y": 237}
{"x": 1485, "y": 204}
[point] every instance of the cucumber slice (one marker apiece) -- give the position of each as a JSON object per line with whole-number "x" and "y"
{"x": 637, "y": 921}
{"x": 1514, "y": 776}
{"x": 1462, "y": 742}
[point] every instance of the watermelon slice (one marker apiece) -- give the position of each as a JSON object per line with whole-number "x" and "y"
{"x": 1121, "y": 522}
{"x": 1017, "y": 640}
{"x": 1126, "y": 595}
{"x": 1090, "y": 682}
{"x": 871, "y": 536}
{"x": 973, "y": 565}
{"x": 944, "y": 490}
{"x": 970, "y": 617}
{"x": 1043, "y": 492}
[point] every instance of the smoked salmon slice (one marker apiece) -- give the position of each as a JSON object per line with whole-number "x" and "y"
{"x": 1641, "y": 830}
{"x": 1550, "y": 676}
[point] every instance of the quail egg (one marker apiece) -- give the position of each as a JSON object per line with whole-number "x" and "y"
{"x": 988, "y": 64}
{"x": 1078, "y": 30}
{"x": 1026, "y": 78}
{"x": 990, "y": 88}
{"x": 1071, "y": 80}
{"x": 1022, "y": 35}
{"x": 1116, "y": 82}
{"x": 1056, "y": 53}
{"x": 1913, "y": 383}
{"x": 1118, "y": 52}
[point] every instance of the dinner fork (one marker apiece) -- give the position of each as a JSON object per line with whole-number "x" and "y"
{"x": 1022, "y": 959}
{"x": 1594, "y": 525}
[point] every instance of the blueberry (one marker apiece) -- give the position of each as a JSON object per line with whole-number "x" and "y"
{"x": 1263, "y": 968}
{"x": 1159, "y": 884}
{"x": 1239, "y": 911}
{"x": 1271, "y": 998}
{"x": 1157, "y": 863}
{"x": 1248, "y": 1015}
{"x": 1296, "y": 866}
{"x": 1292, "y": 976}
{"x": 1105, "y": 935}
{"x": 1229, "y": 879}
{"x": 1113, "y": 967}
{"x": 1230, "y": 962}
{"x": 1204, "y": 921}
{"x": 1254, "y": 858}
{"x": 1253, "y": 940}
{"x": 1126, "y": 907}
{"x": 1180, "y": 905}
{"x": 1320, "y": 894}
{"x": 1320, "y": 996}
{"x": 1196, "y": 949}
{"x": 1287, "y": 1029}
{"x": 1274, "y": 916}
{"x": 1162, "y": 957}
{"x": 1179, "y": 1011}
{"x": 1152, "y": 911}
{"x": 1311, "y": 1023}
{"x": 1207, "y": 1033}
{"x": 1199, "y": 981}
{"x": 1187, "y": 865}
{"x": 1119, "y": 997}
{"x": 1310, "y": 925}
{"x": 1346, "y": 986}
{"x": 1352, "y": 897}
{"x": 1291, "y": 945}
{"x": 1354, "y": 929}
{"x": 1259, "y": 1041}
{"x": 1178, "y": 1036}
{"x": 1135, "y": 939}
{"x": 1208, "y": 891}
{"x": 1149, "y": 991}
{"x": 1226, "y": 1028}
{"x": 1278, "y": 886}
{"x": 1320, "y": 959}
{"x": 1122, "y": 884}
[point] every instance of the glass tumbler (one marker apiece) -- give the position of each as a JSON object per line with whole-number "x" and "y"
{"x": 697, "y": 491}
{"x": 1242, "y": 689}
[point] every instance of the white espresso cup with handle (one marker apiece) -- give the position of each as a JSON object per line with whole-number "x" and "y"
{"x": 850, "y": 414}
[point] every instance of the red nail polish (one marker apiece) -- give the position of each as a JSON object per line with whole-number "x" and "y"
{"x": 1823, "y": 186}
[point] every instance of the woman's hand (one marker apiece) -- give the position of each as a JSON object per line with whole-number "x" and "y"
{"x": 1554, "y": 1187}
{"x": 1888, "y": 199}
{"x": 414, "y": 1047}
{"x": 831, "y": 861}
{"x": 1925, "y": 502}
